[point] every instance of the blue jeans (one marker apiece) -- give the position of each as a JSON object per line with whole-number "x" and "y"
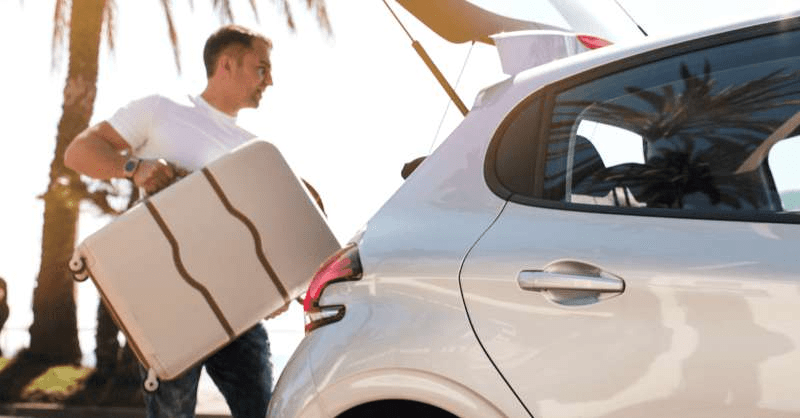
{"x": 242, "y": 371}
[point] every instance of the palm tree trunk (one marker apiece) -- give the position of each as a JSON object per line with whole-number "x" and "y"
{"x": 54, "y": 332}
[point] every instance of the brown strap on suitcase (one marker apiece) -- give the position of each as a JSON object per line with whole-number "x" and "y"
{"x": 253, "y": 231}
{"x": 176, "y": 255}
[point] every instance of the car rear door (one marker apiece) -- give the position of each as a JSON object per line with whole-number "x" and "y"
{"x": 649, "y": 268}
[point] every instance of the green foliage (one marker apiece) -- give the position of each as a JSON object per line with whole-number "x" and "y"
{"x": 56, "y": 384}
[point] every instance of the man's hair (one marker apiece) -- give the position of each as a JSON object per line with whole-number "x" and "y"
{"x": 224, "y": 37}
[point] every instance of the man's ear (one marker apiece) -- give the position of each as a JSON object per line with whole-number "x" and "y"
{"x": 225, "y": 64}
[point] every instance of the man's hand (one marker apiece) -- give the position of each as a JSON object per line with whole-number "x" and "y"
{"x": 154, "y": 175}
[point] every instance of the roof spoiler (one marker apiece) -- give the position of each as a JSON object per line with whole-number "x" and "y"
{"x": 521, "y": 50}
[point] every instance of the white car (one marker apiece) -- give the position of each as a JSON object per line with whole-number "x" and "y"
{"x": 611, "y": 234}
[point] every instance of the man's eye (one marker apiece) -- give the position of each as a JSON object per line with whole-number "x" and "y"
{"x": 262, "y": 72}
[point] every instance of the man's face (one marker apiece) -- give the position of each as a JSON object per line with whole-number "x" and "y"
{"x": 252, "y": 75}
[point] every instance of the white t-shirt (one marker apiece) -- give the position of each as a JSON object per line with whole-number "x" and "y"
{"x": 189, "y": 132}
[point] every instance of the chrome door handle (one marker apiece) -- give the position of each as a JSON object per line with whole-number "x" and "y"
{"x": 542, "y": 280}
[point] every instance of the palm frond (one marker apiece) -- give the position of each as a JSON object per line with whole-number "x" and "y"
{"x": 173, "y": 35}
{"x": 224, "y": 9}
{"x": 255, "y": 9}
{"x": 317, "y": 7}
{"x": 655, "y": 100}
{"x": 287, "y": 13}
{"x": 321, "y": 13}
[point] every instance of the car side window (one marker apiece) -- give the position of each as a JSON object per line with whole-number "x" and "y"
{"x": 782, "y": 161}
{"x": 714, "y": 130}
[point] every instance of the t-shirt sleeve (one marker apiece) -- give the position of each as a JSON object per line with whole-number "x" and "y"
{"x": 134, "y": 120}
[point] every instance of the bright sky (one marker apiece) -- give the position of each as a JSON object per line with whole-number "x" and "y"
{"x": 346, "y": 112}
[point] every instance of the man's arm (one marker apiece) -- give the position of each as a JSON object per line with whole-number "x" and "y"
{"x": 100, "y": 152}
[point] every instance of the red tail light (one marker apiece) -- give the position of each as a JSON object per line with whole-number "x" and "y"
{"x": 344, "y": 265}
{"x": 593, "y": 42}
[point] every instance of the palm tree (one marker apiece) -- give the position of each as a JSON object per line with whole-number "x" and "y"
{"x": 54, "y": 336}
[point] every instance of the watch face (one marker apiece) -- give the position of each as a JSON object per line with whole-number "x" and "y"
{"x": 130, "y": 167}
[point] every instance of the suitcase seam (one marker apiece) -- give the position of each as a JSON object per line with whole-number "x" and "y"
{"x": 120, "y": 324}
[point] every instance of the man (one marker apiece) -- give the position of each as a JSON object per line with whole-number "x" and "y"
{"x": 153, "y": 139}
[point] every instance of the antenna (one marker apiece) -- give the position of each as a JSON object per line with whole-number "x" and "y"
{"x": 447, "y": 108}
{"x": 431, "y": 66}
{"x": 631, "y": 18}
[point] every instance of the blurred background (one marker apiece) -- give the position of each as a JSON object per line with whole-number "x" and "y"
{"x": 349, "y": 106}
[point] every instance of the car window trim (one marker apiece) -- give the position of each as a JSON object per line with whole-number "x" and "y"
{"x": 738, "y": 216}
{"x": 490, "y": 167}
{"x": 548, "y": 104}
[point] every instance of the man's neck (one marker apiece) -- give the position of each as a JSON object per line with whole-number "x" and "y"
{"x": 218, "y": 102}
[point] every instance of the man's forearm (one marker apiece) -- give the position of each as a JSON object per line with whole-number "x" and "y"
{"x": 94, "y": 154}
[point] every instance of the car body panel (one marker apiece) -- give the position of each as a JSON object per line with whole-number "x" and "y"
{"x": 706, "y": 321}
{"x": 409, "y": 384}
{"x": 295, "y": 394}
{"x": 345, "y": 370}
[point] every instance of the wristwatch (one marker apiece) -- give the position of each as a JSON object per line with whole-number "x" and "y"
{"x": 130, "y": 167}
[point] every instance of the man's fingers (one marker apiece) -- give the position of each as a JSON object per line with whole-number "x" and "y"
{"x": 166, "y": 168}
{"x": 163, "y": 176}
{"x": 154, "y": 175}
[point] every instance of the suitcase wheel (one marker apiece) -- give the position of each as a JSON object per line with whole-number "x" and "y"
{"x": 78, "y": 268}
{"x": 151, "y": 383}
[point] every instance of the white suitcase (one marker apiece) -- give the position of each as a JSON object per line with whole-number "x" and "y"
{"x": 189, "y": 269}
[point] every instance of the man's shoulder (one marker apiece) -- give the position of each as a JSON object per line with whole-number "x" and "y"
{"x": 149, "y": 110}
{"x": 160, "y": 99}
{"x": 157, "y": 100}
